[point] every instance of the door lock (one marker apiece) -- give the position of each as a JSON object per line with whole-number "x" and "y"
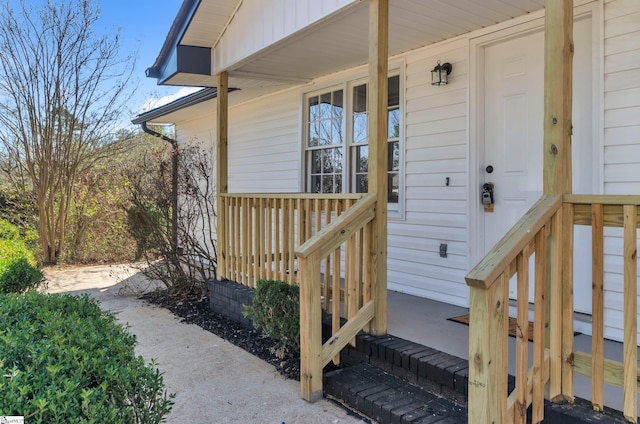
{"x": 487, "y": 197}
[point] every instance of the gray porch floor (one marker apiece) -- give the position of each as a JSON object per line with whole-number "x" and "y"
{"x": 426, "y": 322}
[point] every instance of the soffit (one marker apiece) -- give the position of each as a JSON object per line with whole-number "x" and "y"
{"x": 342, "y": 42}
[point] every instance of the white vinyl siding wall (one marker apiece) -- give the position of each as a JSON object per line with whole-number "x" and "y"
{"x": 259, "y": 24}
{"x": 435, "y": 149}
{"x": 621, "y": 138}
{"x": 264, "y": 144}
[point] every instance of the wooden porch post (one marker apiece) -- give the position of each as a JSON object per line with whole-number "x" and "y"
{"x": 558, "y": 96}
{"x": 377, "y": 173}
{"x": 222, "y": 169}
{"x": 558, "y": 102}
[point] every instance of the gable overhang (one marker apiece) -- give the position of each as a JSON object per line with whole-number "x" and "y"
{"x": 186, "y": 62}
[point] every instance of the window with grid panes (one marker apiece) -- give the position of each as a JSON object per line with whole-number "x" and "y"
{"x": 325, "y": 142}
{"x": 331, "y": 157}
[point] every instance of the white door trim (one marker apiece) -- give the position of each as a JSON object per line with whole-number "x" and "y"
{"x": 476, "y": 117}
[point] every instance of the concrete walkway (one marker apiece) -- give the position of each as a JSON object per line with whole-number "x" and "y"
{"x": 214, "y": 381}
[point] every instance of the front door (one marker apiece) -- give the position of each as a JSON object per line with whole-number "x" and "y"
{"x": 513, "y": 137}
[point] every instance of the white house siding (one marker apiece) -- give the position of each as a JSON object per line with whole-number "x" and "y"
{"x": 621, "y": 137}
{"x": 265, "y": 143}
{"x": 435, "y": 149}
{"x": 259, "y": 24}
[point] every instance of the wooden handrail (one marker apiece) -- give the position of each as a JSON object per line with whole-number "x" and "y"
{"x": 333, "y": 235}
{"x": 521, "y": 234}
{"x": 602, "y": 199}
{"x": 294, "y": 195}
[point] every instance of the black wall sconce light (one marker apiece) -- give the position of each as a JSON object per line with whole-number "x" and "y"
{"x": 440, "y": 72}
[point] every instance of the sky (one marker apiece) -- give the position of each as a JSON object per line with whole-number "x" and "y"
{"x": 144, "y": 25}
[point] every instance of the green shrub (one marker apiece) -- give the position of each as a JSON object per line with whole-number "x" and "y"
{"x": 276, "y": 309}
{"x": 18, "y": 270}
{"x": 63, "y": 360}
{"x": 19, "y": 276}
{"x": 8, "y": 231}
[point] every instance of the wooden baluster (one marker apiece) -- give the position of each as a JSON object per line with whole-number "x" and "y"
{"x": 522, "y": 340}
{"x": 290, "y": 241}
{"x": 270, "y": 254}
{"x": 597, "y": 338}
{"x": 336, "y": 289}
{"x": 257, "y": 238}
{"x": 538, "y": 326}
{"x": 285, "y": 239}
{"x": 567, "y": 301}
{"x": 238, "y": 250}
{"x": 555, "y": 306}
{"x": 350, "y": 277}
{"x": 366, "y": 264}
{"x": 630, "y": 313}
{"x": 301, "y": 228}
{"x": 246, "y": 241}
{"x": 326, "y": 283}
{"x": 277, "y": 242}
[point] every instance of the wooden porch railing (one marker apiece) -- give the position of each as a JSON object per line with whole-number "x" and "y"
{"x": 547, "y": 231}
{"x": 318, "y": 258}
{"x": 257, "y": 233}
{"x": 259, "y": 236}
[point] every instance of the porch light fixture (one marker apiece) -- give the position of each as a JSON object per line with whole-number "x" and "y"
{"x": 439, "y": 73}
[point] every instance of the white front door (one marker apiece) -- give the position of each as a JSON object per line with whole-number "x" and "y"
{"x": 513, "y": 137}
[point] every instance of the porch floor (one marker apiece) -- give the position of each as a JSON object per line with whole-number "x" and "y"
{"x": 426, "y": 322}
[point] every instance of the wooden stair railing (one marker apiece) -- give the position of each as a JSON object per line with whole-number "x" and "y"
{"x": 489, "y": 400}
{"x": 347, "y": 237}
{"x": 547, "y": 231}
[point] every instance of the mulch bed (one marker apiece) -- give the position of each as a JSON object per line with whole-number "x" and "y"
{"x": 194, "y": 309}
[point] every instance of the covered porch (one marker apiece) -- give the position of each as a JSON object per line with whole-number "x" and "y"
{"x": 267, "y": 236}
{"x": 334, "y": 248}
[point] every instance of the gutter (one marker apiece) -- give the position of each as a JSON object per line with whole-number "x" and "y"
{"x": 174, "y": 182}
{"x": 181, "y": 103}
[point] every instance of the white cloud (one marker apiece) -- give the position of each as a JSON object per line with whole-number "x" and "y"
{"x": 153, "y": 103}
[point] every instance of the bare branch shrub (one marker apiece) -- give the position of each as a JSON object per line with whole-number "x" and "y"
{"x": 184, "y": 267}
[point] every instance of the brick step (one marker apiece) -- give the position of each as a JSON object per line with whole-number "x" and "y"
{"x": 388, "y": 399}
{"x": 413, "y": 377}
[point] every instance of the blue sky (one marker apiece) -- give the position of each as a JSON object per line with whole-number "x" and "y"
{"x": 144, "y": 26}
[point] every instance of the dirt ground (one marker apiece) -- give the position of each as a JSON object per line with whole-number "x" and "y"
{"x": 214, "y": 380}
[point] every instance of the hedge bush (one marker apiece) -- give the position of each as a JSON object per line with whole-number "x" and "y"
{"x": 18, "y": 270}
{"x": 276, "y": 309}
{"x": 63, "y": 360}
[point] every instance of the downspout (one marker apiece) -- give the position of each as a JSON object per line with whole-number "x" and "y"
{"x": 174, "y": 182}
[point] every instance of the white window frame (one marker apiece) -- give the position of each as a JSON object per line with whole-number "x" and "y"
{"x": 395, "y": 210}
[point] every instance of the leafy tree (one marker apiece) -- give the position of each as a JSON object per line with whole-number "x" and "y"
{"x": 63, "y": 89}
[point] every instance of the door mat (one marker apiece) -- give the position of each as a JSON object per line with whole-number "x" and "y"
{"x": 464, "y": 319}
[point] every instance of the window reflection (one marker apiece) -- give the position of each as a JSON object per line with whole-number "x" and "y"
{"x": 326, "y": 140}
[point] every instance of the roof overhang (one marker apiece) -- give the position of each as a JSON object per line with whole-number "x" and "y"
{"x": 334, "y": 44}
{"x": 185, "y": 62}
{"x": 158, "y": 115}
